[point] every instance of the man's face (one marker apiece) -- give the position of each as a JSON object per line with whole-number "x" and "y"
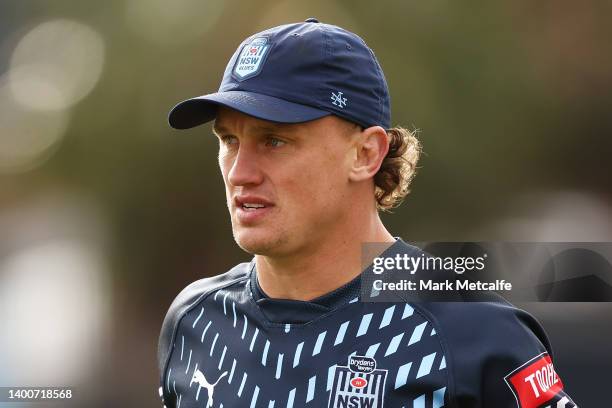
{"x": 286, "y": 184}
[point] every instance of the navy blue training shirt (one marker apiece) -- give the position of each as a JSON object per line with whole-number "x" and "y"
{"x": 224, "y": 343}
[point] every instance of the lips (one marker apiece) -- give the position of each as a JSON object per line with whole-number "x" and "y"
{"x": 251, "y": 209}
{"x": 250, "y": 202}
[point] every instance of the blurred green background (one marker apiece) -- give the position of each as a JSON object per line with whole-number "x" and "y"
{"x": 106, "y": 213}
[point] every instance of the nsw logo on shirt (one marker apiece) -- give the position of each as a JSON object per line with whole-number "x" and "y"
{"x": 359, "y": 384}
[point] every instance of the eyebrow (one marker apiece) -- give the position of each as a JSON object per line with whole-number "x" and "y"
{"x": 219, "y": 129}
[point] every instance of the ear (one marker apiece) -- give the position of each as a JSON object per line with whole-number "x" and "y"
{"x": 371, "y": 147}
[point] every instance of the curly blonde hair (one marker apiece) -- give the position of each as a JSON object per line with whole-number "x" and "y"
{"x": 392, "y": 181}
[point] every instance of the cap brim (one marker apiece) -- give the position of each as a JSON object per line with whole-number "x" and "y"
{"x": 196, "y": 111}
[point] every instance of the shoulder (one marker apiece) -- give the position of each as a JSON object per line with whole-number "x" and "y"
{"x": 189, "y": 297}
{"x": 485, "y": 344}
{"x": 465, "y": 323}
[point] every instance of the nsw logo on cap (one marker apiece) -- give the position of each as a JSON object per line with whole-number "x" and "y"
{"x": 251, "y": 58}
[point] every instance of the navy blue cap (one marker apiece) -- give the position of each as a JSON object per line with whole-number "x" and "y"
{"x": 295, "y": 73}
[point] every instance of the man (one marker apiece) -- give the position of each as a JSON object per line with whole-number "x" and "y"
{"x": 308, "y": 158}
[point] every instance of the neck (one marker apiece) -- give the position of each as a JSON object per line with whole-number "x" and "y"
{"x": 325, "y": 265}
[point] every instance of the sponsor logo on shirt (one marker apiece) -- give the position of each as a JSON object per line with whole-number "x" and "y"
{"x": 535, "y": 382}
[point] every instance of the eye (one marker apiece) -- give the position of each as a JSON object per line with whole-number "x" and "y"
{"x": 274, "y": 142}
{"x": 228, "y": 139}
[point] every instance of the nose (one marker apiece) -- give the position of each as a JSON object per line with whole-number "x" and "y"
{"x": 245, "y": 169}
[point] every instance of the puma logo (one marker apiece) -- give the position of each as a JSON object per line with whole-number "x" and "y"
{"x": 199, "y": 378}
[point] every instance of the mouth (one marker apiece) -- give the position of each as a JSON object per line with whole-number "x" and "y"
{"x": 251, "y": 208}
{"x": 251, "y": 203}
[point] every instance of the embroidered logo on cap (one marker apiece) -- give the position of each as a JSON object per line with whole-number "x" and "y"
{"x": 251, "y": 58}
{"x": 338, "y": 99}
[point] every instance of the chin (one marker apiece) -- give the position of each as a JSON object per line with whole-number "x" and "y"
{"x": 259, "y": 242}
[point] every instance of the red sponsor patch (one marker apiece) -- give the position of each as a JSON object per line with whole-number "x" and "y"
{"x": 359, "y": 382}
{"x": 535, "y": 382}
